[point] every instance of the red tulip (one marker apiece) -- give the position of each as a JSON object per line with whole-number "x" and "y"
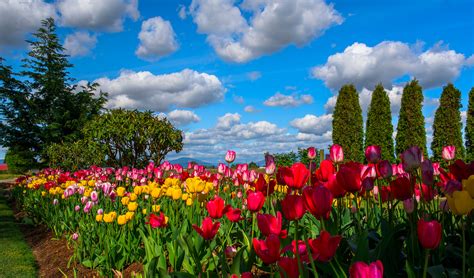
{"x": 270, "y": 225}
{"x": 157, "y": 221}
{"x": 318, "y": 201}
{"x": 216, "y": 207}
{"x": 233, "y": 214}
{"x": 362, "y": 270}
{"x": 301, "y": 249}
{"x": 263, "y": 186}
{"x": 289, "y": 267}
{"x": 427, "y": 172}
{"x": 336, "y": 190}
{"x": 411, "y": 159}
{"x": 230, "y": 156}
{"x": 268, "y": 250}
{"x": 373, "y": 154}
{"x": 429, "y": 233}
{"x": 295, "y": 176}
{"x": 311, "y": 153}
{"x": 326, "y": 169}
{"x": 255, "y": 201}
{"x": 324, "y": 247}
{"x": 208, "y": 230}
{"x": 448, "y": 153}
{"x": 336, "y": 154}
{"x": 401, "y": 188}
{"x": 293, "y": 207}
{"x": 384, "y": 169}
{"x": 348, "y": 177}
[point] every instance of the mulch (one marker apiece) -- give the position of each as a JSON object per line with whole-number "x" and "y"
{"x": 52, "y": 255}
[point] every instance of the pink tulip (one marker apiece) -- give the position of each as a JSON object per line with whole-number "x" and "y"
{"x": 448, "y": 153}
{"x": 221, "y": 168}
{"x": 411, "y": 159}
{"x": 77, "y": 208}
{"x": 94, "y": 196}
{"x": 75, "y": 236}
{"x": 270, "y": 165}
{"x": 230, "y": 156}
{"x": 311, "y": 153}
{"x": 362, "y": 270}
{"x": 336, "y": 154}
{"x": 373, "y": 154}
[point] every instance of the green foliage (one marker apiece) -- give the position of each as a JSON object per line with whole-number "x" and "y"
{"x": 379, "y": 128}
{"x": 347, "y": 125}
{"x": 253, "y": 165}
{"x": 72, "y": 156}
{"x": 285, "y": 159}
{"x": 447, "y": 123}
{"x": 411, "y": 122}
{"x": 303, "y": 156}
{"x": 44, "y": 108}
{"x": 19, "y": 161}
{"x": 133, "y": 138}
{"x": 469, "y": 131}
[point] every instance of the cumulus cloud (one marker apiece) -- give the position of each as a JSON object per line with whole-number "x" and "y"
{"x": 17, "y": 18}
{"x": 288, "y": 100}
{"x": 182, "y": 12}
{"x": 182, "y": 117}
{"x": 273, "y": 25}
{"x": 104, "y": 15}
{"x": 250, "y": 109}
{"x": 311, "y": 124}
{"x": 79, "y": 43}
{"x": 250, "y": 139}
{"x": 366, "y": 66}
{"x": 157, "y": 39}
{"x": 144, "y": 90}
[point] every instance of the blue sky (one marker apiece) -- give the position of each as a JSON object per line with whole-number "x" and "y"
{"x": 253, "y": 75}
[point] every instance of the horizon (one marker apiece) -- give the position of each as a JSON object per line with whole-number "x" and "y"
{"x": 235, "y": 75}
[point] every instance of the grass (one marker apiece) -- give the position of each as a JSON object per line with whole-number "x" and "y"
{"x": 16, "y": 259}
{"x": 7, "y": 176}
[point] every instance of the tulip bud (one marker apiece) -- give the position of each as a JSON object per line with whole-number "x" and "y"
{"x": 230, "y": 156}
{"x": 429, "y": 233}
{"x": 373, "y": 154}
{"x": 311, "y": 153}
{"x": 361, "y": 269}
{"x": 336, "y": 154}
{"x": 77, "y": 208}
{"x": 448, "y": 153}
{"x": 384, "y": 169}
{"x": 411, "y": 159}
{"x": 55, "y": 201}
{"x": 75, "y": 236}
{"x": 230, "y": 251}
{"x": 94, "y": 196}
{"x": 100, "y": 211}
{"x": 221, "y": 168}
{"x": 409, "y": 205}
{"x": 270, "y": 165}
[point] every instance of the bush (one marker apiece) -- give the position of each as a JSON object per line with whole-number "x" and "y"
{"x": 20, "y": 161}
{"x": 77, "y": 155}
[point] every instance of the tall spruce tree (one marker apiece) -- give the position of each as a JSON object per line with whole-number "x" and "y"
{"x": 54, "y": 110}
{"x": 347, "y": 124}
{"x": 379, "y": 128}
{"x": 411, "y": 122}
{"x": 469, "y": 131}
{"x": 447, "y": 123}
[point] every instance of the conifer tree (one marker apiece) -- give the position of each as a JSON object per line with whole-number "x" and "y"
{"x": 347, "y": 124}
{"x": 411, "y": 122}
{"x": 469, "y": 131}
{"x": 379, "y": 128}
{"x": 447, "y": 123}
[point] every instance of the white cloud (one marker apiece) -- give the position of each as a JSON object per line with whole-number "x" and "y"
{"x": 366, "y": 66}
{"x": 144, "y": 90}
{"x": 250, "y": 109}
{"x": 103, "y": 15}
{"x": 17, "y": 18}
{"x": 227, "y": 121}
{"x": 182, "y": 12}
{"x": 254, "y": 75}
{"x": 183, "y": 117}
{"x": 157, "y": 39}
{"x": 238, "y": 99}
{"x": 330, "y": 104}
{"x": 288, "y": 100}
{"x": 273, "y": 25}
{"x": 79, "y": 43}
{"x": 311, "y": 124}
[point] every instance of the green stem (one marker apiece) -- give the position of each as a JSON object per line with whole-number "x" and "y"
{"x": 425, "y": 268}
{"x": 300, "y": 266}
{"x": 463, "y": 248}
{"x": 308, "y": 248}
{"x": 253, "y": 224}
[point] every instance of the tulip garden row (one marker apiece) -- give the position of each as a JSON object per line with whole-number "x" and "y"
{"x": 343, "y": 219}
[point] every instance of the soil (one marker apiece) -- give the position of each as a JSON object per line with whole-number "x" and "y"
{"x": 52, "y": 255}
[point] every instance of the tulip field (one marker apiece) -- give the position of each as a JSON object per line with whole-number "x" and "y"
{"x": 339, "y": 219}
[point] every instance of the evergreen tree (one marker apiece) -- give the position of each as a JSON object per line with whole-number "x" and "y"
{"x": 469, "y": 131}
{"x": 47, "y": 109}
{"x": 347, "y": 124}
{"x": 379, "y": 128}
{"x": 411, "y": 122}
{"x": 447, "y": 123}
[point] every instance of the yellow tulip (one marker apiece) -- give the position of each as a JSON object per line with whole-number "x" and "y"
{"x": 138, "y": 190}
{"x": 176, "y": 194}
{"x": 133, "y": 197}
{"x": 99, "y": 217}
{"x": 120, "y": 191}
{"x": 122, "y": 219}
{"x": 155, "y": 193}
{"x": 129, "y": 215}
{"x": 43, "y": 193}
{"x": 469, "y": 185}
{"x": 125, "y": 201}
{"x": 109, "y": 217}
{"x": 155, "y": 208}
{"x": 461, "y": 203}
{"x": 132, "y": 206}
{"x": 143, "y": 211}
{"x": 189, "y": 202}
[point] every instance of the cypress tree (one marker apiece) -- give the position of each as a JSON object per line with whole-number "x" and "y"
{"x": 347, "y": 124}
{"x": 447, "y": 123}
{"x": 469, "y": 131}
{"x": 411, "y": 122}
{"x": 379, "y": 128}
